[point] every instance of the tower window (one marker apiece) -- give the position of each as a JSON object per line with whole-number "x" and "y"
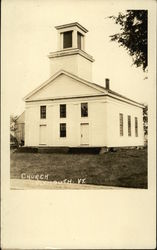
{"x": 67, "y": 39}
{"x": 136, "y": 127}
{"x": 84, "y": 109}
{"x": 121, "y": 124}
{"x": 62, "y": 110}
{"x": 129, "y": 125}
{"x": 79, "y": 36}
{"x": 62, "y": 129}
{"x": 42, "y": 112}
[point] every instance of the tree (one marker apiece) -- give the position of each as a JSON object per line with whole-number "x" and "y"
{"x": 145, "y": 120}
{"x": 133, "y": 35}
{"x": 13, "y": 126}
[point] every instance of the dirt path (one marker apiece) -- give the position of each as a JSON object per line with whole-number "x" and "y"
{"x": 18, "y": 184}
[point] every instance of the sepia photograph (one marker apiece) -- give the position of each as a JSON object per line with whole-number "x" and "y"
{"x": 78, "y": 101}
{"x": 73, "y": 131}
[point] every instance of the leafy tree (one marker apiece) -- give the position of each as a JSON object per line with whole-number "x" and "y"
{"x": 13, "y": 126}
{"x": 13, "y": 129}
{"x": 133, "y": 35}
{"x": 145, "y": 120}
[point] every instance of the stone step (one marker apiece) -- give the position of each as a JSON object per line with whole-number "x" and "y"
{"x": 84, "y": 150}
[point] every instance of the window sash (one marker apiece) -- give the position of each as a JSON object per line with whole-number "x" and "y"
{"x": 62, "y": 129}
{"x": 67, "y": 39}
{"x": 84, "y": 109}
{"x": 129, "y": 125}
{"x": 121, "y": 124}
{"x": 79, "y": 40}
{"x": 43, "y": 112}
{"x": 62, "y": 110}
{"x": 136, "y": 126}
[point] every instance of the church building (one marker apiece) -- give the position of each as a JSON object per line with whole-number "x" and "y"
{"x": 69, "y": 110}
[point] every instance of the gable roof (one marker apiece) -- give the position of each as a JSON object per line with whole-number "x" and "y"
{"x": 103, "y": 90}
{"x": 85, "y": 82}
{"x": 123, "y": 97}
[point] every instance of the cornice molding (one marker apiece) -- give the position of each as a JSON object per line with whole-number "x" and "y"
{"x": 71, "y": 25}
{"x": 69, "y": 52}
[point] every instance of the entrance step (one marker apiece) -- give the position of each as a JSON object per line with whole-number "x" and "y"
{"x": 84, "y": 150}
{"x": 51, "y": 150}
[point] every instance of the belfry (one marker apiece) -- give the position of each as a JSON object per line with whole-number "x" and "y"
{"x": 71, "y": 55}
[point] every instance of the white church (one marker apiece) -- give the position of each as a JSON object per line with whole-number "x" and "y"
{"x": 69, "y": 110}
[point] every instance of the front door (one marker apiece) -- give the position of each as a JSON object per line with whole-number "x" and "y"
{"x": 42, "y": 135}
{"x": 84, "y": 134}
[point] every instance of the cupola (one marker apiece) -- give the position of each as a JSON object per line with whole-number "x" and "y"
{"x": 71, "y": 36}
{"x": 71, "y": 55}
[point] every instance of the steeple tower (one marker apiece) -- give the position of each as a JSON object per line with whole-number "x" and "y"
{"x": 71, "y": 56}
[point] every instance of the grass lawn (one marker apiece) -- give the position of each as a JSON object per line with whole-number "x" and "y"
{"x": 126, "y": 168}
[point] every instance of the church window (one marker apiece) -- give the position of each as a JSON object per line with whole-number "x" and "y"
{"x": 79, "y": 36}
{"x": 67, "y": 39}
{"x": 43, "y": 112}
{"x": 84, "y": 109}
{"x": 62, "y": 110}
{"x": 62, "y": 129}
{"x": 121, "y": 124}
{"x": 129, "y": 125}
{"x": 136, "y": 127}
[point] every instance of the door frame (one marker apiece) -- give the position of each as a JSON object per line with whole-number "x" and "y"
{"x": 41, "y": 125}
{"x": 84, "y": 123}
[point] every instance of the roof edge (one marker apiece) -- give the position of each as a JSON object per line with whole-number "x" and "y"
{"x": 109, "y": 92}
{"x": 58, "y": 27}
{"x": 96, "y": 86}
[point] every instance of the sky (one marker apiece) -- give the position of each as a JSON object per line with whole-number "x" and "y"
{"x": 28, "y": 35}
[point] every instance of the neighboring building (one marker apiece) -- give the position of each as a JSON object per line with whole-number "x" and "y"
{"x": 70, "y": 110}
{"x": 20, "y": 128}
